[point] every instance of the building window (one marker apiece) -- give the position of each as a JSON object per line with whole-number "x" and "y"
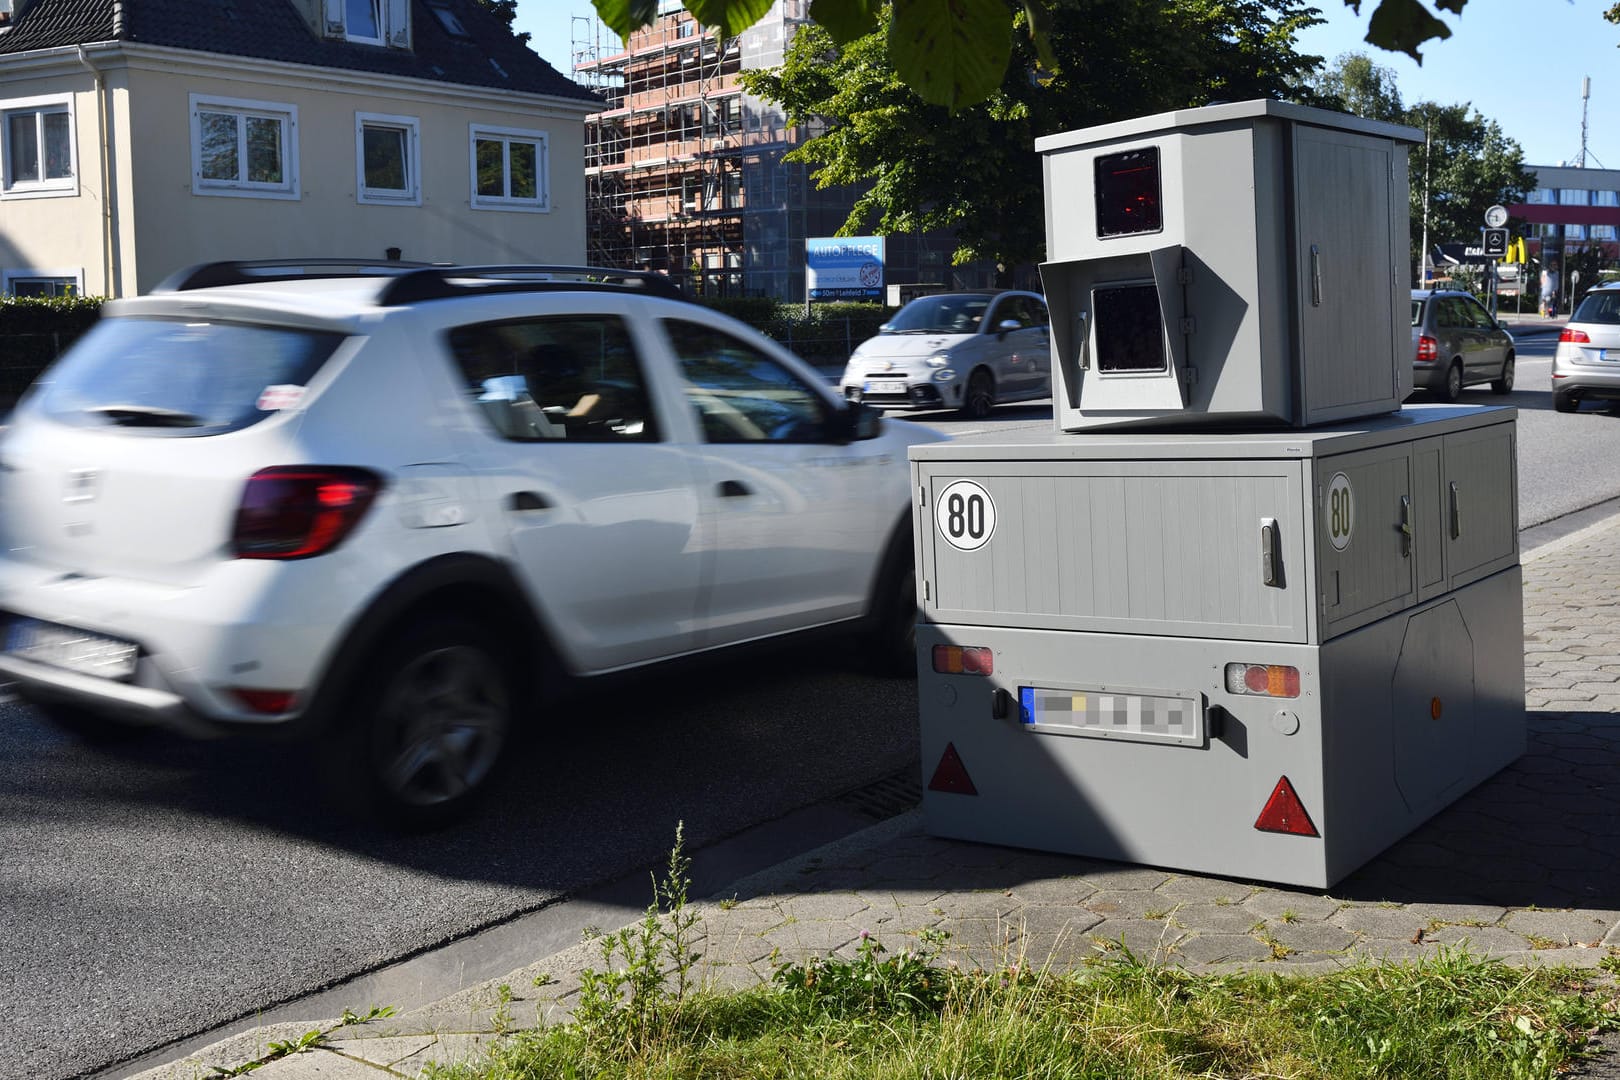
{"x": 509, "y": 170}
{"x": 1573, "y": 197}
{"x": 246, "y": 149}
{"x": 1602, "y": 232}
{"x": 1574, "y": 232}
{"x": 388, "y": 159}
{"x": 38, "y": 147}
{"x": 370, "y": 22}
{"x": 1542, "y": 197}
{"x": 1606, "y": 198}
{"x": 42, "y": 282}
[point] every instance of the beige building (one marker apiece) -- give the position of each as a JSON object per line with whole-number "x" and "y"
{"x": 138, "y": 137}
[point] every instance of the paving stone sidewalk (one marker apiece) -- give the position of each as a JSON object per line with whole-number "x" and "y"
{"x": 1525, "y": 868}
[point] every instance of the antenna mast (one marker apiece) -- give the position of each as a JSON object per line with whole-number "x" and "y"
{"x": 1586, "y": 94}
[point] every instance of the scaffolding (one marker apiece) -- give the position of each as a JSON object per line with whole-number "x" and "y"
{"x": 685, "y": 172}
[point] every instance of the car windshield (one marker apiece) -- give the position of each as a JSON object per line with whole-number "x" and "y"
{"x": 949, "y": 314}
{"x": 1417, "y": 313}
{"x": 182, "y": 377}
{"x": 1602, "y": 306}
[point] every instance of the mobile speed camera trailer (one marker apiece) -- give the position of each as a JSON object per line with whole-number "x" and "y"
{"x": 1239, "y": 612}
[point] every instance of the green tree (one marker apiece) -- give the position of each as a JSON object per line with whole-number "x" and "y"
{"x": 956, "y": 53}
{"x": 506, "y": 11}
{"x": 971, "y": 172}
{"x": 1470, "y": 166}
{"x": 1359, "y": 86}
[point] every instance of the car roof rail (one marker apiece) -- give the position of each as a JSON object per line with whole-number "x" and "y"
{"x": 439, "y": 281}
{"x": 251, "y": 271}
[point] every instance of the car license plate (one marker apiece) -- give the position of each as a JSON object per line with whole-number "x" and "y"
{"x": 71, "y": 648}
{"x": 886, "y": 386}
{"x": 1113, "y": 714}
{"x": 1603, "y": 354}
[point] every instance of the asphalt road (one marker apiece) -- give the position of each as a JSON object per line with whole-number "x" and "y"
{"x": 155, "y": 890}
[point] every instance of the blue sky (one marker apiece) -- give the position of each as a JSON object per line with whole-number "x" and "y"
{"x": 1519, "y": 62}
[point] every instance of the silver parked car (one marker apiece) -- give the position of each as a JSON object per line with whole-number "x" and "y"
{"x": 1456, "y": 343}
{"x": 1586, "y": 365}
{"x": 967, "y": 351}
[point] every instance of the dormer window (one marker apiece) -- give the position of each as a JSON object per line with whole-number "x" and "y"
{"x": 370, "y": 22}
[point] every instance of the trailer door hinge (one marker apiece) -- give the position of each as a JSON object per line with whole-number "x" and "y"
{"x": 1188, "y": 326}
{"x": 1184, "y": 276}
{"x": 925, "y": 589}
{"x": 922, "y": 495}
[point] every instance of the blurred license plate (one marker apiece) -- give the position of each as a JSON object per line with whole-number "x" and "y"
{"x": 886, "y": 386}
{"x": 70, "y": 648}
{"x": 1604, "y": 354}
{"x": 1113, "y": 714}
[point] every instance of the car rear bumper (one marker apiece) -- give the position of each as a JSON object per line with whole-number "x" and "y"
{"x": 136, "y": 705}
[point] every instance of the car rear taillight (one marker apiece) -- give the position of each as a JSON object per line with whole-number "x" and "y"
{"x": 1428, "y": 349}
{"x": 296, "y": 511}
{"x": 1579, "y": 337}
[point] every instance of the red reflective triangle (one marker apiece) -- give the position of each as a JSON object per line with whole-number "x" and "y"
{"x": 951, "y": 776}
{"x": 1284, "y": 812}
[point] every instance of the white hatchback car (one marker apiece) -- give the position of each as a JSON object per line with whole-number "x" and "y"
{"x": 395, "y": 506}
{"x": 967, "y": 351}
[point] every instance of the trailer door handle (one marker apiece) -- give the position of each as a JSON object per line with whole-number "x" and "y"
{"x": 1270, "y": 554}
{"x": 1316, "y": 276}
{"x": 1456, "y": 513}
{"x": 1406, "y": 526}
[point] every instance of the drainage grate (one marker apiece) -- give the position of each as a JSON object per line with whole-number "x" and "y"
{"x": 885, "y": 798}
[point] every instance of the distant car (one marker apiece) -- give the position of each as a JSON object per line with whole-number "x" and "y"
{"x": 969, "y": 351}
{"x": 394, "y": 508}
{"x": 1586, "y": 364}
{"x": 1456, "y": 343}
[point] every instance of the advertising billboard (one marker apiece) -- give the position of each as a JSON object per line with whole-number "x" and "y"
{"x": 844, "y": 267}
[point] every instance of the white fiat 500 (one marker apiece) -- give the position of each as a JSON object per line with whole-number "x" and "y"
{"x": 967, "y": 351}
{"x": 393, "y": 507}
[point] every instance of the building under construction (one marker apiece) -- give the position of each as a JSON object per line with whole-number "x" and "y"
{"x": 685, "y": 172}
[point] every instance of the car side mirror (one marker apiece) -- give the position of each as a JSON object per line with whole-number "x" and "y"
{"x": 857, "y": 421}
{"x": 1007, "y": 326}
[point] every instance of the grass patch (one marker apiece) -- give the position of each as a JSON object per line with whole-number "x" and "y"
{"x": 912, "y": 1015}
{"x": 882, "y": 1016}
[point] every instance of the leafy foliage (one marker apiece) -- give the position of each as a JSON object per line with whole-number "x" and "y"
{"x": 970, "y": 171}
{"x": 506, "y": 11}
{"x": 955, "y": 53}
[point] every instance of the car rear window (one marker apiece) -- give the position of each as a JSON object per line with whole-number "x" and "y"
{"x": 174, "y": 377}
{"x": 1599, "y": 307}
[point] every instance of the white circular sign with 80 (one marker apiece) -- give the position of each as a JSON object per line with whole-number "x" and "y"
{"x": 965, "y": 515}
{"x": 1341, "y": 511}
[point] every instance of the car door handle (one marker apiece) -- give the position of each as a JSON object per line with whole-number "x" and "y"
{"x": 527, "y": 500}
{"x": 732, "y": 489}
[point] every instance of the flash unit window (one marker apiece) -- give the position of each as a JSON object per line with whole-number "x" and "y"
{"x": 1130, "y": 328}
{"x": 1127, "y": 187}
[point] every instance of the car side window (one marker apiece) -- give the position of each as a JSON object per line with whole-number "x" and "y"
{"x": 1478, "y": 317}
{"x": 741, "y": 394}
{"x": 575, "y": 378}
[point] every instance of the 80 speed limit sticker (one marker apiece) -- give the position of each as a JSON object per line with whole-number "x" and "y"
{"x": 965, "y": 515}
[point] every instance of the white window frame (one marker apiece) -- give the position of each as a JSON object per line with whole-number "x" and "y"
{"x": 42, "y": 188}
{"x": 9, "y": 278}
{"x": 394, "y": 23}
{"x": 243, "y": 108}
{"x": 411, "y": 194}
{"x": 541, "y": 204}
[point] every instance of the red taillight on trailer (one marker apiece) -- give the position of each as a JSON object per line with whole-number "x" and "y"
{"x": 1578, "y": 337}
{"x": 297, "y": 511}
{"x": 1428, "y": 349}
{"x": 1263, "y": 680}
{"x": 963, "y": 660}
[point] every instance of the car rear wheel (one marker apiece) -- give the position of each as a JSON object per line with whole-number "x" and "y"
{"x": 981, "y": 395}
{"x": 430, "y": 724}
{"x": 1504, "y": 384}
{"x": 1452, "y": 390}
{"x": 891, "y": 643}
{"x": 1565, "y": 401}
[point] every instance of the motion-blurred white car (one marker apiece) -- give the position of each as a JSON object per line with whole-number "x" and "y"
{"x": 392, "y": 507}
{"x": 967, "y": 351}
